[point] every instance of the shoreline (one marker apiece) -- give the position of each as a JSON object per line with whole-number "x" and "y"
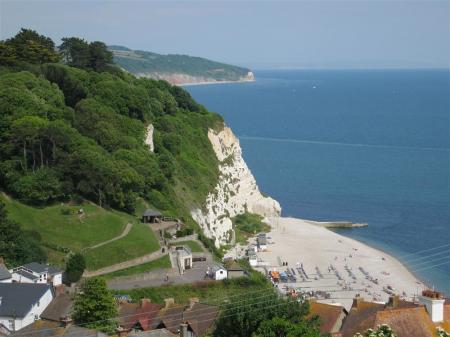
{"x": 357, "y": 268}
{"x": 188, "y": 84}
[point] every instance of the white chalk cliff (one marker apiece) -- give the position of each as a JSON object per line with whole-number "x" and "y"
{"x": 235, "y": 193}
{"x": 149, "y": 137}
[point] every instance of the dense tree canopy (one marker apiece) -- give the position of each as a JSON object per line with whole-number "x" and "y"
{"x": 75, "y": 267}
{"x": 78, "y": 129}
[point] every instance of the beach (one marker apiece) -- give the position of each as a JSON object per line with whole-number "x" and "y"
{"x": 332, "y": 265}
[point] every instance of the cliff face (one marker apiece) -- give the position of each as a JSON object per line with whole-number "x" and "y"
{"x": 181, "y": 79}
{"x": 235, "y": 193}
{"x": 149, "y": 137}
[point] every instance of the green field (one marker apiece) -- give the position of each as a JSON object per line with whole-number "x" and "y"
{"x": 161, "y": 263}
{"x": 140, "y": 241}
{"x": 69, "y": 231}
{"x": 193, "y": 245}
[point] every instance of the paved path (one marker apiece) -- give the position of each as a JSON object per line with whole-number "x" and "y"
{"x": 126, "y": 264}
{"x": 124, "y": 233}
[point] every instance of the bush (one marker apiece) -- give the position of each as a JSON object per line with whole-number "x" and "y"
{"x": 75, "y": 267}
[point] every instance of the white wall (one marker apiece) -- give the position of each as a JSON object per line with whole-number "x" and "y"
{"x": 36, "y": 310}
{"x": 22, "y": 279}
{"x": 57, "y": 279}
{"x": 220, "y": 274}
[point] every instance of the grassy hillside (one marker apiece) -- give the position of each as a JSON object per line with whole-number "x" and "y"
{"x": 144, "y": 62}
{"x": 140, "y": 241}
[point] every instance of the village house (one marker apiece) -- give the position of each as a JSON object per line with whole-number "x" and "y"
{"x": 252, "y": 258}
{"x": 184, "y": 258}
{"x": 331, "y": 316}
{"x": 23, "y": 303}
{"x": 37, "y": 273}
{"x": 407, "y": 319}
{"x": 217, "y": 272}
{"x": 153, "y": 320}
{"x": 234, "y": 270}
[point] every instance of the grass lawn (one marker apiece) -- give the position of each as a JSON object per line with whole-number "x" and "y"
{"x": 140, "y": 241}
{"x": 69, "y": 231}
{"x": 212, "y": 292}
{"x": 195, "y": 247}
{"x": 161, "y": 263}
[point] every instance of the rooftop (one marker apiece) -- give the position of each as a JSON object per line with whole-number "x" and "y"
{"x": 151, "y": 212}
{"x": 18, "y": 298}
{"x": 40, "y": 268}
{"x": 43, "y": 328}
{"x": 61, "y": 306}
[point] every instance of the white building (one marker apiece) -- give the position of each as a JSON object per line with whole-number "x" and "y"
{"x": 23, "y": 303}
{"x": 37, "y": 273}
{"x": 252, "y": 258}
{"x": 184, "y": 258}
{"x": 218, "y": 272}
{"x": 5, "y": 275}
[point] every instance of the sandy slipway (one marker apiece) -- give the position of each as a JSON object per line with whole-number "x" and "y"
{"x": 235, "y": 193}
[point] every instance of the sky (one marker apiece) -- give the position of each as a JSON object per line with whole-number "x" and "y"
{"x": 256, "y": 34}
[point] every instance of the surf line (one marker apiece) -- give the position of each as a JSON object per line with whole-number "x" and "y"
{"x": 317, "y": 142}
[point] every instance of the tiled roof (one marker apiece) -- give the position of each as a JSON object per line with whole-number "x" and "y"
{"x": 142, "y": 314}
{"x": 153, "y": 333}
{"x": 40, "y": 268}
{"x": 360, "y": 317}
{"x": 26, "y": 274}
{"x": 407, "y": 322}
{"x": 201, "y": 318}
{"x": 61, "y": 306}
{"x": 43, "y": 328}
{"x": 328, "y": 314}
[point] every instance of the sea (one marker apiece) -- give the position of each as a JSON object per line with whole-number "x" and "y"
{"x": 367, "y": 146}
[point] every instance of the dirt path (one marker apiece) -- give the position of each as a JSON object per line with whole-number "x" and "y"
{"x": 126, "y": 264}
{"x": 124, "y": 233}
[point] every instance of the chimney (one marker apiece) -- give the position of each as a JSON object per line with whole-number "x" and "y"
{"x": 357, "y": 301}
{"x": 66, "y": 321}
{"x": 183, "y": 330}
{"x": 192, "y": 302}
{"x": 168, "y": 302}
{"x": 122, "y": 332}
{"x": 434, "y": 303}
{"x": 393, "y": 301}
{"x": 144, "y": 301}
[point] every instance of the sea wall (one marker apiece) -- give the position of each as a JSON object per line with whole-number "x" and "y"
{"x": 235, "y": 193}
{"x": 185, "y": 79}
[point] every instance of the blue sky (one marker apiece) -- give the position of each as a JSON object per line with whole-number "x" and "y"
{"x": 258, "y": 34}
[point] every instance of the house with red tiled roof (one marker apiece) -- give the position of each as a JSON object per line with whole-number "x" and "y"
{"x": 331, "y": 316}
{"x": 138, "y": 316}
{"x": 407, "y": 319}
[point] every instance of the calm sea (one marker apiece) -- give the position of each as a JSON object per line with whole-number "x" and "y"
{"x": 364, "y": 146}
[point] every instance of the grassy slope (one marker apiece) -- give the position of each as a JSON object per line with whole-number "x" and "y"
{"x": 195, "y": 247}
{"x": 140, "y": 241}
{"x": 207, "y": 291}
{"x": 98, "y": 224}
{"x": 161, "y": 263}
{"x": 247, "y": 225}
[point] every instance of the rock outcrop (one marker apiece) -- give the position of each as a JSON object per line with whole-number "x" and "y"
{"x": 235, "y": 193}
{"x": 185, "y": 79}
{"x": 149, "y": 137}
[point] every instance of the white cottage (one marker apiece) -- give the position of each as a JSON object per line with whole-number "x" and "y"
{"x": 218, "y": 272}
{"x": 23, "y": 303}
{"x": 37, "y": 273}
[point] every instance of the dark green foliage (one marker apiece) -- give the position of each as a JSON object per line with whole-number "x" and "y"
{"x": 138, "y": 62}
{"x": 94, "y": 306}
{"x": 67, "y": 130}
{"x": 28, "y": 46}
{"x": 17, "y": 246}
{"x": 246, "y": 318}
{"x": 75, "y": 267}
{"x": 248, "y": 224}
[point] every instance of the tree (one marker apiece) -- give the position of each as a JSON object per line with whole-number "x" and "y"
{"x": 245, "y": 319}
{"x": 382, "y": 330}
{"x": 17, "y": 246}
{"x": 100, "y": 56}
{"x": 280, "y": 327}
{"x": 75, "y": 52}
{"x": 94, "y": 306}
{"x": 29, "y": 46}
{"x": 75, "y": 267}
